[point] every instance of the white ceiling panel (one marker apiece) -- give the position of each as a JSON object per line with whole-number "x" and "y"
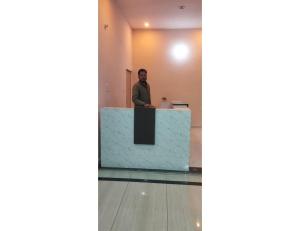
{"x": 162, "y": 14}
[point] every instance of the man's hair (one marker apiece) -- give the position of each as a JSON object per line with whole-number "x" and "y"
{"x": 142, "y": 70}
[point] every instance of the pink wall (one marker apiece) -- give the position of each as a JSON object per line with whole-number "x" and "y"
{"x": 115, "y": 55}
{"x": 166, "y": 76}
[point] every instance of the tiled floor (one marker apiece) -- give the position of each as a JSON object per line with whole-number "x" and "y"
{"x": 136, "y": 206}
{"x": 130, "y": 206}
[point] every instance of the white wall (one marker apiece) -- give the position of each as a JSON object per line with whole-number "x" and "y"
{"x": 167, "y": 77}
{"x": 115, "y": 55}
{"x": 122, "y": 48}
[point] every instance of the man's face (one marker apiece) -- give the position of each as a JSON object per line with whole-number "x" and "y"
{"x": 143, "y": 76}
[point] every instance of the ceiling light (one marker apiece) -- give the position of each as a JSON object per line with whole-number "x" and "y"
{"x": 146, "y": 24}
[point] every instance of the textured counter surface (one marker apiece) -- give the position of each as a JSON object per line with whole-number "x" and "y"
{"x": 172, "y": 140}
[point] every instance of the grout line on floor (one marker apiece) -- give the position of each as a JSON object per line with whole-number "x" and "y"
{"x": 119, "y": 207}
{"x": 167, "y": 207}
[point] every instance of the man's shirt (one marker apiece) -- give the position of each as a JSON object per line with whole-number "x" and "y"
{"x": 141, "y": 94}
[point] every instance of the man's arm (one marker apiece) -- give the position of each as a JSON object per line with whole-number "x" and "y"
{"x": 135, "y": 95}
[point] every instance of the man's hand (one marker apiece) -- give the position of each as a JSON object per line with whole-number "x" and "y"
{"x": 148, "y": 105}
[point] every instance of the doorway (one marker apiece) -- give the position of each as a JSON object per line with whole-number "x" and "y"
{"x": 128, "y": 88}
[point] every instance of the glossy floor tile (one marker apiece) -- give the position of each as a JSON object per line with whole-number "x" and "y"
{"x": 184, "y": 208}
{"x": 144, "y": 207}
{"x": 109, "y": 199}
{"x": 149, "y": 207}
{"x": 114, "y": 173}
{"x": 150, "y": 175}
{"x": 187, "y": 177}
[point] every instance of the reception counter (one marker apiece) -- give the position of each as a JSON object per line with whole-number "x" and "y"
{"x": 172, "y": 140}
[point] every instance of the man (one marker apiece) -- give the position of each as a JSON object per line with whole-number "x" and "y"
{"x": 141, "y": 90}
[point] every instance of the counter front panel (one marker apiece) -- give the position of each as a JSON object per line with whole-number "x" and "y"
{"x": 172, "y": 140}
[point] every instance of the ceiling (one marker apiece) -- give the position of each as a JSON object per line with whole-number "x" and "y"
{"x": 162, "y": 14}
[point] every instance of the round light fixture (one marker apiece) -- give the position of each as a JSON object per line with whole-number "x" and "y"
{"x": 146, "y": 24}
{"x": 180, "y": 51}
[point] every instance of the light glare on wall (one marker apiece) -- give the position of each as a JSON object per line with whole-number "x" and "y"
{"x": 146, "y": 24}
{"x": 180, "y": 51}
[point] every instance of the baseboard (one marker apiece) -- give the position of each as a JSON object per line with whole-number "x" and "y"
{"x": 191, "y": 169}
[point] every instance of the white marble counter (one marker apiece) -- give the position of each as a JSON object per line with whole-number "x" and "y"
{"x": 172, "y": 140}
